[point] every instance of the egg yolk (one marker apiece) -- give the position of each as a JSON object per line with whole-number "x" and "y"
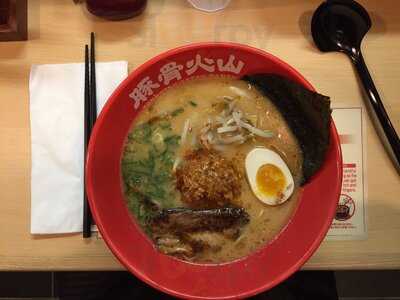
{"x": 270, "y": 180}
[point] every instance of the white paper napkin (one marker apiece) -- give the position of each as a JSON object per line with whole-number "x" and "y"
{"x": 56, "y": 113}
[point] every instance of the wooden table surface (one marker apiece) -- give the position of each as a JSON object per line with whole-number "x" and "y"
{"x": 58, "y": 31}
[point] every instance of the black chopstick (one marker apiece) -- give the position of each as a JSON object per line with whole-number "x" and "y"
{"x": 90, "y": 116}
{"x": 93, "y": 95}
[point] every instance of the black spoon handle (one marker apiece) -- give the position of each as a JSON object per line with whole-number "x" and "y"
{"x": 377, "y": 105}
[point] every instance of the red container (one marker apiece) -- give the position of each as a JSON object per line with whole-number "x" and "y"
{"x": 241, "y": 278}
{"x": 116, "y": 9}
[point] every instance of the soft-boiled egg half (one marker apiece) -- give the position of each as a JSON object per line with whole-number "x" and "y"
{"x": 269, "y": 177}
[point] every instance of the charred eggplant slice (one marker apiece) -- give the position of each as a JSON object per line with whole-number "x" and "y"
{"x": 185, "y": 220}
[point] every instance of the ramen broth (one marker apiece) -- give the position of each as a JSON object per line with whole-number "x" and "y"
{"x": 198, "y": 100}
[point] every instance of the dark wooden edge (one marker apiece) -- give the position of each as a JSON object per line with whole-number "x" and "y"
{"x": 17, "y": 27}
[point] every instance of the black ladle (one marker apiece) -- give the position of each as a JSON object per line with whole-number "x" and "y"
{"x": 340, "y": 25}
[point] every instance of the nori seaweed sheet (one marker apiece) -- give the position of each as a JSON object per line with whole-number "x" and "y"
{"x": 307, "y": 114}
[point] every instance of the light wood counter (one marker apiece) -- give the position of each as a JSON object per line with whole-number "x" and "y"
{"x": 58, "y": 31}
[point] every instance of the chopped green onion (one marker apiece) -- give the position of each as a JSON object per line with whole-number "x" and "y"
{"x": 177, "y": 112}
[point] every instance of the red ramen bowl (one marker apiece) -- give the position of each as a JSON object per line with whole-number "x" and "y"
{"x": 248, "y": 276}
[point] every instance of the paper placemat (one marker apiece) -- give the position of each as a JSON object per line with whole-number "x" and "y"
{"x": 350, "y": 222}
